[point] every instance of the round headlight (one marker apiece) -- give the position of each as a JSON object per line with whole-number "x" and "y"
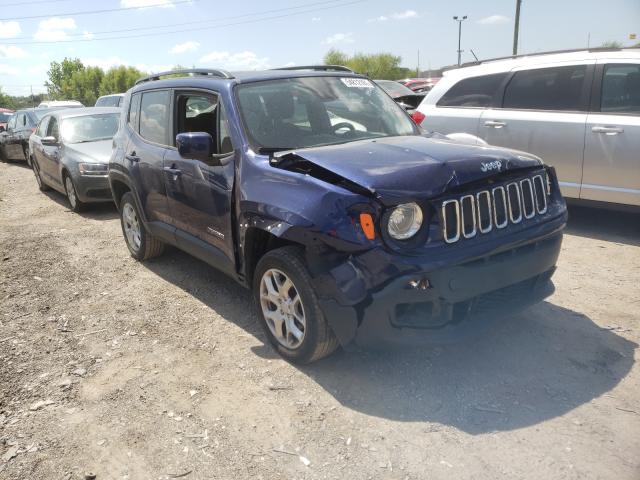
{"x": 405, "y": 221}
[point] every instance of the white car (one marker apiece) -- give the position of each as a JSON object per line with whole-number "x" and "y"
{"x": 579, "y": 111}
{"x": 60, "y": 103}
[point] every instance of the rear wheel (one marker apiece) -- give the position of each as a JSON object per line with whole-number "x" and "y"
{"x": 291, "y": 315}
{"x": 72, "y": 196}
{"x": 141, "y": 243}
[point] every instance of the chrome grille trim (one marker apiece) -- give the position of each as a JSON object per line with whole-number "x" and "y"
{"x": 519, "y": 219}
{"x": 487, "y": 201}
{"x": 465, "y": 215}
{"x": 480, "y": 212}
{"x": 447, "y": 237}
{"x": 527, "y": 181}
{"x": 540, "y": 180}
{"x": 504, "y": 207}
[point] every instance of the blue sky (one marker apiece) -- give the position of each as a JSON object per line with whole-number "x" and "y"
{"x": 250, "y": 34}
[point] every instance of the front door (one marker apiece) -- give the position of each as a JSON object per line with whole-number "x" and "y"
{"x": 200, "y": 192}
{"x": 49, "y": 161}
{"x": 612, "y": 143}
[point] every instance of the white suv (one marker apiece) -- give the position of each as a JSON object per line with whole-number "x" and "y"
{"x": 579, "y": 111}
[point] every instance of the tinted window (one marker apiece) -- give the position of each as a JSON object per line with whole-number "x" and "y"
{"x": 154, "y": 116}
{"x": 42, "y": 128}
{"x": 22, "y": 120}
{"x": 12, "y": 121}
{"x": 134, "y": 110}
{"x": 197, "y": 113}
{"x": 52, "y": 128}
{"x": 311, "y": 111}
{"x": 4, "y": 117}
{"x": 558, "y": 88}
{"x": 108, "y": 101}
{"x": 621, "y": 89}
{"x": 473, "y": 92}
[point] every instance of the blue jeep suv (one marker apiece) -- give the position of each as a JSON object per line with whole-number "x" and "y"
{"x": 312, "y": 187}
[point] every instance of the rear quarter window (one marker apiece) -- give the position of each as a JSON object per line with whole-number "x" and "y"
{"x": 473, "y": 92}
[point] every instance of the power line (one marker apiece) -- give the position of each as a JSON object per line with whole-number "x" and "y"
{"x": 263, "y": 12}
{"x": 20, "y": 4}
{"x": 344, "y": 4}
{"x": 93, "y": 12}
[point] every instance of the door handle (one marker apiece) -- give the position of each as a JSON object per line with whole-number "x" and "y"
{"x": 607, "y": 130}
{"x": 495, "y": 124}
{"x": 176, "y": 172}
{"x": 132, "y": 157}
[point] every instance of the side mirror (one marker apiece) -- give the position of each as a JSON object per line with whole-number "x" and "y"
{"x": 51, "y": 141}
{"x": 195, "y": 146}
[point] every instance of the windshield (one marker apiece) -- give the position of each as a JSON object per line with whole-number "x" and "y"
{"x": 394, "y": 88}
{"x": 314, "y": 111}
{"x": 4, "y": 117}
{"x": 89, "y": 128}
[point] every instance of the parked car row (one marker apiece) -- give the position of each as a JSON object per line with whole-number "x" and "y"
{"x": 313, "y": 188}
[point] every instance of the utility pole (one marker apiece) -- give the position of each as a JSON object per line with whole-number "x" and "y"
{"x": 459, "y": 20}
{"x": 516, "y": 28}
{"x": 418, "y": 69}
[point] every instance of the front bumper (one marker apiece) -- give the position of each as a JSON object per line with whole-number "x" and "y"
{"x": 91, "y": 189}
{"x": 414, "y": 302}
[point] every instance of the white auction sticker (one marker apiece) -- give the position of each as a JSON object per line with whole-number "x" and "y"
{"x": 357, "y": 82}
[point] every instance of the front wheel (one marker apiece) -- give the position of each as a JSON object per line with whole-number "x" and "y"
{"x": 75, "y": 203}
{"x": 141, "y": 243}
{"x": 291, "y": 315}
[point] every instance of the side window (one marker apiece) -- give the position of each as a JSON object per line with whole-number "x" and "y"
{"x": 621, "y": 89}
{"x": 154, "y": 116}
{"x": 134, "y": 111}
{"x": 21, "y": 121}
{"x": 473, "y": 92}
{"x": 42, "y": 127}
{"x": 196, "y": 112}
{"x": 224, "y": 137}
{"x": 557, "y": 88}
{"x": 12, "y": 122}
{"x": 52, "y": 128}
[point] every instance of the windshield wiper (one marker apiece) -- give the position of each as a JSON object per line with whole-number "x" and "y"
{"x": 266, "y": 150}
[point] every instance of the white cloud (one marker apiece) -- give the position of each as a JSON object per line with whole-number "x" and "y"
{"x": 407, "y": 14}
{"x": 338, "y": 38}
{"x": 104, "y": 63}
{"x": 88, "y": 35}
{"x": 494, "y": 20}
{"x": 290, "y": 64}
{"x": 189, "y": 46}
{"x": 156, "y": 68}
{"x": 9, "y": 29}
{"x": 39, "y": 68}
{"x": 11, "y": 51}
{"x": 54, "y": 29}
{"x": 316, "y": 19}
{"x": 236, "y": 61}
{"x": 8, "y": 70}
{"x": 146, "y": 3}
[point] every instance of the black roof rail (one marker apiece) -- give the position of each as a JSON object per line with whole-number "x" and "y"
{"x": 193, "y": 71}
{"x": 320, "y": 68}
{"x": 550, "y": 52}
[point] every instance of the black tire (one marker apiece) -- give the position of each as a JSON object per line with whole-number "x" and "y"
{"x": 319, "y": 340}
{"x": 25, "y": 152}
{"x": 74, "y": 202}
{"x": 36, "y": 171}
{"x": 149, "y": 246}
{"x": 3, "y": 156}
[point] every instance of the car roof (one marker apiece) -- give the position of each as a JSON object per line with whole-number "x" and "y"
{"x": 506, "y": 64}
{"x": 238, "y": 78}
{"x": 84, "y": 111}
{"x": 112, "y": 95}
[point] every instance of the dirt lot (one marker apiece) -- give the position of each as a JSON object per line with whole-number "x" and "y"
{"x": 156, "y": 370}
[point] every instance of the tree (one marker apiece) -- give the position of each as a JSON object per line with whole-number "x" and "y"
{"x": 119, "y": 79}
{"x": 60, "y": 74}
{"x": 611, "y": 44}
{"x": 6, "y": 101}
{"x": 377, "y": 65}
{"x": 84, "y": 85}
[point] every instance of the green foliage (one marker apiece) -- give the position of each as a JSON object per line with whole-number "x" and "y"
{"x": 379, "y": 66}
{"x": 71, "y": 80}
{"x": 6, "y": 101}
{"x": 611, "y": 44}
{"x": 16, "y": 103}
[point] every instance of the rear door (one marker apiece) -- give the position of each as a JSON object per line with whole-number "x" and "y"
{"x": 13, "y": 143}
{"x": 544, "y": 112}
{"x": 148, "y": 124}
{"x": 612, "y": 144}
{"x": 35, "y": 142}
{"x": 200, "y": 192}
{"x": 459, "y": 108}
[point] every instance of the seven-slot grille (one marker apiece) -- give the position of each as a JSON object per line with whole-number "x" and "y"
{"x": 481, "y": 212}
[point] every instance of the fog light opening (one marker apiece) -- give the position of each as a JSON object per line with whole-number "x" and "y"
{"x": 420, "y": 284}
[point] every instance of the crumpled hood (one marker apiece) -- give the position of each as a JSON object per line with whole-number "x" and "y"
{"x": 414, "y": 166}
{"x": 98, "y": 152}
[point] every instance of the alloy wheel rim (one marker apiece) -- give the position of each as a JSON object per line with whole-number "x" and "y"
{"x": 71, "y": 192}
{"x": 282, "y": 308}
{"x": 131, "y": 226}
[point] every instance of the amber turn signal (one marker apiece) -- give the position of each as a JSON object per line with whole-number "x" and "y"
{"x": 366, "y": 222}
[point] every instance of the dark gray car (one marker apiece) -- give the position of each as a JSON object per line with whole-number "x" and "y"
{"x": 70, "y": 153}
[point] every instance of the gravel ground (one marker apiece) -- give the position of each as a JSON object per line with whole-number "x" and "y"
{"x": 159, "y": 370}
